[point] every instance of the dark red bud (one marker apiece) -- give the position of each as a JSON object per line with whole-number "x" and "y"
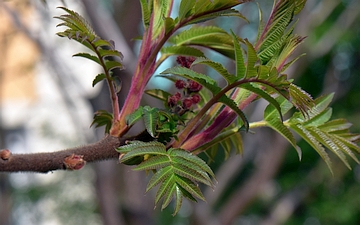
{"x": 187, "y": 103}
{"x": 180, "y": 84}
{"x": 173, "y": 100}
{"x": 177, "y": 96}
{"x": 181, "y": 60}
{"x": 195, "y": 99}
{"x": 194, "y": 86}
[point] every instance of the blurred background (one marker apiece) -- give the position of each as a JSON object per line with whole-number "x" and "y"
{"x": 47, "y": 104}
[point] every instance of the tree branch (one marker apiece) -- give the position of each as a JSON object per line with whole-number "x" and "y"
{"x": 72, "y": 159}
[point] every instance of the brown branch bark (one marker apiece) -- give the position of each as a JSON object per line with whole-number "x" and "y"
{"x": 73, "y": 158}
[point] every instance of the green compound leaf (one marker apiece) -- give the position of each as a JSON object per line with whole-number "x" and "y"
{"x": 177, "y": 172}
{"x": 103, "y": 51}
{"x": 320, "y": 132}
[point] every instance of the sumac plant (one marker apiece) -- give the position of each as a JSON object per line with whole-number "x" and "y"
{"x": 202, "y": 113}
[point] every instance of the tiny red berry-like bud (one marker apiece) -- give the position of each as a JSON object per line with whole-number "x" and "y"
{"x": 195, "y": 99}
{"x": 180, "y": 84}
{"x": 194, "y": 86}
{"x": 187, "y": 103}
{"x": 172, "y": 101}
{"x": 177, "y": 96}
{"x": 181, "y": 60}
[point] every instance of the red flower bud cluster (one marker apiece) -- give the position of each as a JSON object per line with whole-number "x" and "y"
{"x": 185, "y": 101}
{"x": 174, "y": 100}
{"x": 189, "y": 85}
{"x": 185, "y": 61}
{"x": 189, "y": 97}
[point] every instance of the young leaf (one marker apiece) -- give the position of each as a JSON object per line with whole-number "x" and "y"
{"x": 252, "y": 58}
{"x": 110, "y": 53}
{"x": 211, "y": 37}
{"x": 110, "y": 65}
{"x": 102, "y": 118}
{"x": 192, "y": 159}
{"x": 151, "y": 116}
{"x": 145, "y": 13}
{"x": 154, "y": 162}
{"x": 328, "y": 142}
{"x": 89, "y": 56}
{"x": 159, "y": 94}
{"x": 217, "y": 67}
{"x": 213, "y": 15}
{"x": 142, "y": 149}
{"x": 270, "y": 40}
{"x": 160, "y": 10}
{"x": 310, "y": 139}
{"x": 181, "y": 50}
{"x": 239, "y": 59}
{"x": 98, "y": 78}
{"x": 301, "y": 99}
{"x": 132, "y": 118}
{"x": 186, "y": 8}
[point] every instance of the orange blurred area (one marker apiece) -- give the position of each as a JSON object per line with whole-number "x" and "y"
{"x": 19, "y": 56}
